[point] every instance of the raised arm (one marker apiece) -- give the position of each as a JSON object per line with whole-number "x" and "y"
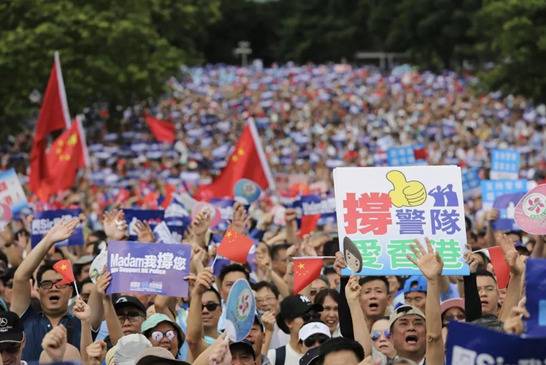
{"x": 82, "y": 311}
{"x": 21, "y": 285}
{"x": 490, "y": 216}
{"x": 360, "y": 325}
{"x": 194, "y": 337}
{"x": 538, "y": 248}
{"x": 516, "y": 262}
{"x": 431, "y": 265}
{"x": 112, "y": 322}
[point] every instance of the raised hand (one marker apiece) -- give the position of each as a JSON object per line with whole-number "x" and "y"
{"x": 201, "y": 223}
{"x": 265, "y": 221}
{"x": 352, "y": 290}
{"x": 197, "y": 259}
{"x": 54, "y": 343}
{"x": 474, "y": 260}
{"x": 81, "y": 310}
{"x": 220, "y": 354}
{"x": 263, "y": 267}
{"x": 239, "y": 218}
{"x": 514, "y": 324}
{"x": 515, "y": 261}
{"x": 114, "y": 224}
{"x": 62, "y": 230}
{"x": 96, "y": 352}
{"x": 492, "y": 215}
{"x": 102, "y": 283}
{"x": 339, "y": 263}
{"x": 429, "y": 262}
{"x": 204, "y": 281}
{"x": 268, "y": 319}
{"x": 144, "y": 232}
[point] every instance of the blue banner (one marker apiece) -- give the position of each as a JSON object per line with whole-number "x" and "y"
{"x": 469, "y": 344}
{"x": 471, "y": 181}
{"x": 505, "y": 161}
{"x": 150, "y": 216}
{"x": 403, "y": 156}
{"x": 506, "y": 205}
{"x": 535, "y": 289}
{"x": 44, "y": 221}
{"x": 492, "y": 189}
{"x": 315, "y": 204}
{"x": 156, "y": 268}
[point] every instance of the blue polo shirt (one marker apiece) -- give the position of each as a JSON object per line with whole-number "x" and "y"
{"x": 36, "y": 326}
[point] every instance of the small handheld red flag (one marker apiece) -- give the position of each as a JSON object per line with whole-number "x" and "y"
{"x": 500, "y": 266}
{"x": 306, "y": 269}
{"x": 308, "y": 223}
{"x": 235, "y": 246}
{"x": 64, "y": 268}
{"x": 162, "y": 130}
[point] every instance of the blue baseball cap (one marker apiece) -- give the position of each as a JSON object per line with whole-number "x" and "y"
{"x": 415, "y": 283}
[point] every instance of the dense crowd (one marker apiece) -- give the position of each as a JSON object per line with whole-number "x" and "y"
{"x": 310, "y": 120}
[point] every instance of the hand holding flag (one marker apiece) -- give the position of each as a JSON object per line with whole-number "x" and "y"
{"x": 64, "y": 268}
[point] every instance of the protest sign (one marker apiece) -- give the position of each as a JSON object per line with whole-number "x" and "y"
{"x": 404, "y": 156}
{"x": 149, "y": 268}
{"x": 469, "y": 344}
{"x": 151, "y": 216}
{"x": 383, "y": 210}
{"x": 535, "y": 285}
{"x": 492, "y": 189}
{"x": 45, "y": 220}
{"x": 240, "y": 311}
{"x": 505, "y": 164}
{"x": 530, "y": 212}
{"x": 471, "y": 182}
{"x": 506, "y": 205}
{"x": 12, "y": 196}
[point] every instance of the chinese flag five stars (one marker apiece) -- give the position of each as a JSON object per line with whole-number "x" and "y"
{"x": 235, "y": 246}
{"x": 306, "y": 269}
{"x": 53, "y": 116}
{"x": 247, "y": 161}
{"x": 64, "y": 268}
{"x": 308, "y": 223}
{"x": 65, "y": 157}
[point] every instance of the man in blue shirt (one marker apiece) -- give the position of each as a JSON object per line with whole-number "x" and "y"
{"x": 54, "y": 296}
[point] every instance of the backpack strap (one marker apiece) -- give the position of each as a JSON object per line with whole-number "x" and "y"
{"x": 280, "y": 355}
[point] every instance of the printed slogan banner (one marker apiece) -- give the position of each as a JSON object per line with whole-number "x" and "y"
{"x": 45, "y": 220}
{"x": 382, "y": 210}
{"x": 505, "y": 164}
{"x": 12, "y": 196}
{"x": 157, "y": 268}
{"x": 469, "y": 344}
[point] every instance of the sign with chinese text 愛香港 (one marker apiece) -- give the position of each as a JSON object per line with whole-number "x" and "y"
{"x": 382, "y": 210}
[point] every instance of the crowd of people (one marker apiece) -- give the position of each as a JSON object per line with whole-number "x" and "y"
{"x": 310, "y": 120}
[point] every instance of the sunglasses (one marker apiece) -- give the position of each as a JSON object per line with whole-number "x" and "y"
{"x": 10, "y": 348}
{"x": 48, "y": 284}
{"x": 130, "y": 316}
{"x": 375, "y": 335}
{"x": 211, "y": 306}
{"x": 314, "y": 340}
{"x": 158, "y": 335}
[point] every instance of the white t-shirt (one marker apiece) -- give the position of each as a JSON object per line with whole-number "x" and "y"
{"x": 292, "y": 356}
{"x": 279, "y": 338}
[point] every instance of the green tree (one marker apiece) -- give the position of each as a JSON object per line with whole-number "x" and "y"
{"x": 111, "y": 51}
{"x": 513, "y": 35}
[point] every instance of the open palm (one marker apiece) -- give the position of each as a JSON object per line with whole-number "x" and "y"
{"x": 62, "y": 229}
{"x": 428, "y": 261}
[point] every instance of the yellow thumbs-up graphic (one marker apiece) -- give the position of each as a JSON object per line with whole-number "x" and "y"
{"x": 405, "y": 193}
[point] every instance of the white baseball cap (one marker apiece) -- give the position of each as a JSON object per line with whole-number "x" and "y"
{"x": 313, "y": 328}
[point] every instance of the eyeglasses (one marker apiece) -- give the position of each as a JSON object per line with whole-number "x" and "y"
{"x": 48, "y": 284}
{"x": 317, "y": 339}
{"x": 265, "y": 300}
{"x": 130, "y": 316}
{"x": 10, "y": 348}
{"x": 158, "y": 335}
{"x": 211, "y": 307}
{"x": 375, "y": 335}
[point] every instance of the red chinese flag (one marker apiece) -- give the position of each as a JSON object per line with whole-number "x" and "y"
{"x": 53, "y": 116}
{"x": 67, "y": 154}
{"x": 162, "y": 130}
{"x": 308, "y": 223}
{"x": 247, "y": 161}
{"x": 500, "y": 266}
{"x": 64, "y": 268}
{"x": 420, "y": 153}
{"x": 306, "y": 269}
{"x": 235, "y": 246}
